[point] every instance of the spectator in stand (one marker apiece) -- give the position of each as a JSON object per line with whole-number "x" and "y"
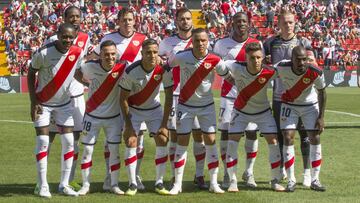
{"x": 225, "y": 8}
{"x": 270, "y": 14}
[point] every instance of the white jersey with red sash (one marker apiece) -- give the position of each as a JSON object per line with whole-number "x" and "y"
{"x": 56, "y": 71}
{"x": 252, "y": 97}
{"x": 129, "y": 48}
{"x": 168, "y": 48}
{"x": 229, "y": 49}
{"x": 144, "y": 86}
{"x": 300, "y": 89}
{"x": 83, "y": 41}
{"x": 196, "y": 77}
{"x": 103, "y": 100}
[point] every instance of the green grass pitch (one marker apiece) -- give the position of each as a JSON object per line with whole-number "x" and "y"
{"x": 339, "y": 172}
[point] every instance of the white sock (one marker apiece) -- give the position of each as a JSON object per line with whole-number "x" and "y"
{"x": 251, "y": 148}
{"x": 139, "y": 153}
{"x": 223, "y": 150}
{"x": 41, "y": 151}
{"x": 106, "y": 157}
{"x": 114, "y": 162}
{"x": 179, "y": 163}
{"x": 172, "y": 149}
{"x": 199, "y": 154}
{"x": 315, "y": 159}
{"x": 130, "y": 163}
{"x": 76, "y": 154}
{"x": 289, "y": 161}
{"x": 213, "y": 162}
{"x": 232, "y": 159}
{"x": 67, "y": 155}
{"x": 86, "y": 163}
{"x": 275, "y": 161}
{"x": 160, "y": 162}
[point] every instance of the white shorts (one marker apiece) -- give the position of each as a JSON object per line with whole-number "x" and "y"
{"x": 186, "y": 115}
{"x": 226, "y": 108}
{"x": 62, "y": 116}
{"x": 143, "y": 126}
{"x": 172, "y": 117}
{"x": 290, "y": 114}
{"x": 78, "y": 115}
{"x": 264, "y": 120}
{"x": 92, "y": 126}
{"x": 152, "y": 118}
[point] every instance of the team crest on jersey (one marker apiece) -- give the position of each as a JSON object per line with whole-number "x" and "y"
{"x": 262, "y": 80}
{"x": 136, "y": 42}
{"x": 207, "y": 65}
{"x": 306, "y": 80}
{"x": 115, "y": 74}
{"x": 157, "y": 77}
{"x": 72, "y": 57}
{"x": 80, "y": 44}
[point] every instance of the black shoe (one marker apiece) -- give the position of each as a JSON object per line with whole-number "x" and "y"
{"x": 200, "y": 182}
{"x": 290, "y": 186}
{"x": 316, "y": 185}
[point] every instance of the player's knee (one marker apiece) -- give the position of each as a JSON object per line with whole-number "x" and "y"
{"x": 76, "y": 135}
{"x": 271, "y": 139}
{"x": 197, "y": 135}
{"x": 251, "y": 135}
{"x": 209, "y": 139}
{"x": 288, "y": 137}
{"x": 314, "y": 139}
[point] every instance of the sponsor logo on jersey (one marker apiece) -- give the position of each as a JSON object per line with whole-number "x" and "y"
{"x": 262, "y": 80}
{"x": 157, "y": 77}
{"x": 136, "y": 42}
{"x": 72, "y": 57}
{"x": 306, "y": 80}
{"x": 207, "y": 65}
{"x": 80, "y": 44}
{"x": 115, "y": 74}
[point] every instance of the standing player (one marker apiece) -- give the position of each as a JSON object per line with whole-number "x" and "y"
{"x": 128, "y": 43}
{"x": 233, "y": 48}
{"x": 196, "y": 100}
{"x": 102, "y": 112}
{"x": 252, "y": 105}
{"x": 140, "y": 102}
{"x": 55, "y": 64}
{"x": 278, "y": 48}
{"x": 72, "y": 15}
{"x": 169, "y": 47}
{"x": 303, "y": 96}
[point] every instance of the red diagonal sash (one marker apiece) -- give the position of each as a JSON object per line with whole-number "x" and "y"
{"x": 226, "y": 86}
{"x": 141, "y": 97}
{"x": 254, "y": 87}
{"x": 66, "y": 67}
{"x": 305, "y": 81}
{"x": 176, "y": 69}
{"x": 105, "y": 88}
{"x": 81, "y": 40}
{"x": 133, "y": 48}
{"x": 197, "y": 77}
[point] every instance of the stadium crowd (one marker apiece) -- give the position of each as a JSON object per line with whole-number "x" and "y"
{"x": 332, "y": 27}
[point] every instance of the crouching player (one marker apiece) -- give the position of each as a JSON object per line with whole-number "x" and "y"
{"x": 102, "y": 112}
{"x": 252, "y": 105}
{"x": 304, "y": 96}
{"x": 140, "y": 102}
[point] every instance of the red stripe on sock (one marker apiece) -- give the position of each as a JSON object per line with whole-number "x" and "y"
{"x": 161, "y": 160}
{"x": 130, "y": 160}
{"x": 41, "y": 155}
{"x": 316, "y": 163}
{"x": 275, "y": 164}
{"x": 68, "y": 155}
{"x": 140, "y": 155}
{"x": 76, "y": 156}
{"x": 179, "y": 163}
{"x": 251, "y": 155}
{"x": 200, "y": 157}
{"x": 86, "y": 165}
{"x": 213, "y": 165}
{"x": 289, "y": 163}
{"x": 231, "y": 163}
{"x": 106, "y": 155}
{"x": 115, "y": 167}
{"x": 223, "y": 157}
{"x": 172, "y": 157}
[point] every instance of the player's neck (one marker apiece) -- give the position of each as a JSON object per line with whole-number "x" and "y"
{"x": 60, "y": 47}
{"x": 184, "y": 35}
{"x": 240, "y": 38}
{"x": 148, "y": 67}
{"x": 126, "y": 33}
{"x": 199, "y": 54}
{"x": 287, "y": 36}
{"x": 298, "y": 72}
{"x": 105, "y": 66}
{"x": 253, "y": 70}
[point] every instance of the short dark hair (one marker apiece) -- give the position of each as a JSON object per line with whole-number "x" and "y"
{"x": 297, "y": 50}
{"x": 107, "y": 43}
{"x": 64, "y": 26}
{"x": 240, "y": 14}
{"x": 124, "y": 11}
{"x": 68, "y": 9}
{"x": 182, "y": 10}
{"x": 198, "y": 30}
{"x": 149, "y": 42}
{"x": 253, "y": 46}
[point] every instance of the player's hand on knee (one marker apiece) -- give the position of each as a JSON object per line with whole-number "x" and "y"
{"x": 320, "y": 124}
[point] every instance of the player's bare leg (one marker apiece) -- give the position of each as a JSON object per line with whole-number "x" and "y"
{"x": 223, "y": 150}
{"x": 289, "y": 158}
{"x": 199, "y": 154}
{"x": 251, "y": 148}
{"x": 161, "y": 157}
{"x": 315, "y": 159}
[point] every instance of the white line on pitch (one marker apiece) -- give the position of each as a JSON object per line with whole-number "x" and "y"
{"x": 344, "y": 113}
{"x": 13, "y": 121}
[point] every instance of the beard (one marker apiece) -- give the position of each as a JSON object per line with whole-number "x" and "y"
{"x": 185, "y": 30}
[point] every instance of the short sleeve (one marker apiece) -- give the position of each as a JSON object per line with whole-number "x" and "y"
{"x": 167, "y": 79}
{"x": 164, "y": 49}
{"x": 37, "y": 61}
{"x": 126, "y": 82}
{"x": 173, "y": 60}
{"x": 320, "y": 82}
